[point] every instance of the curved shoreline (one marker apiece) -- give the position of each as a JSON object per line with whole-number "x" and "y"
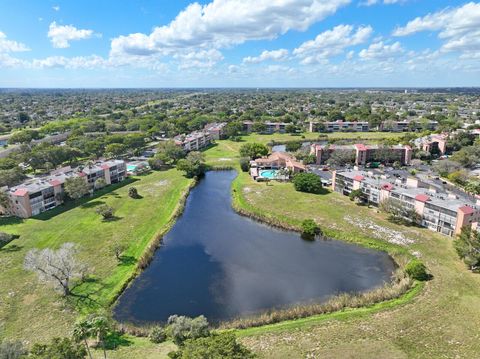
{"x": 315, "y": 311}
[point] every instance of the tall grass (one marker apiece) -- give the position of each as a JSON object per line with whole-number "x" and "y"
{"x": 399, "y": 286}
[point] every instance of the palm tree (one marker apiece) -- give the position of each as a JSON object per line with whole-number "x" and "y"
{"x": 81, "y": 332}
{"x": 100, "y": 327}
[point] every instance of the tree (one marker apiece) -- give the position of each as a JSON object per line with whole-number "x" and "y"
{"x": 181, "y": 328}
{"x": 398, "y": 213}
{"x": 133, "y": 193}
{"x": 100, "y": 183}
{"x": 216, "y": 346}
{"x": 118, "y": 248}
{"x": 259, "y": 127}
{"x": 100, "y": 327}
{"x": 106, "y": 211}
{"x": 115, "y": 149}
{"x": 445, "y": 167}
{"x": 467, "y": 246}
{"x": 473, "y": 187}
{"x": 193, "y": 164}
{"x": 356, "y": 195}
{"x": 157, "y": 335}
{"x": 82, "y": 331}
{"x": 253, "y": 150}
{"x": 310, "y": 229}
{"x": 233, "y": 129}
{"x": 307, "y": 182}
{"x": 293, "y": 146}
{"x": 291, "y": 128}
{"x": 245, "y": 164}
{"x": 169, "y": 152}
{"x": 23, "y": 117}
{"x": 56, "y": 267}
{"x": 416, "y": 270}
{"x": 156, "y": 163}
{"x": 341, "y": 158}
{"x": 76, "y": 187}
{"x": 11, "y": 177}
{"x": 12, "y": 350}
{"x": 58, "y": 348}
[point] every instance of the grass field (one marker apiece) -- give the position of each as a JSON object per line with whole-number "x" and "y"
{"x": 440, "y": 322}
{"x": 439, "y": 319}
{"x": 30, "y": 310}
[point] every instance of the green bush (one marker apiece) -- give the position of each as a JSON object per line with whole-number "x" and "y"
{"x": 5, "y": 238}
{"x": 416, "y": 270}
{"x": 307, "y": 182}
{"x": 157, "y": 335}
{"x": 59, "y": 348}
{"x": 181, "y": 328}
{"x": 245, "y": 164}
{"x": 12, "y": 350}
{"x": 217, "y": 346}
{"x": 310, "y": 229}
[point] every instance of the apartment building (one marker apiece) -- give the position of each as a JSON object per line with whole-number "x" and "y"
{"x": 362, "y": 154}
{"x": 271, "y": 127}
{"x": 407, "y": 126}
{"x": 194, "y": 141}
{"x": 436, "y": 143}
{"x": 338, "y": 126}
{"x": 41, "y": 194}
{"x": 439, "y": 211}
{"x": 216, "y": 130}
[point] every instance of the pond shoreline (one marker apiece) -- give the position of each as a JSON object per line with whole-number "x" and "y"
{"x": 308, "y": 310}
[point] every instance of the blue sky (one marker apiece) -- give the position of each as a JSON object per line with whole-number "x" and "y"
{"x": 239, "y": 43}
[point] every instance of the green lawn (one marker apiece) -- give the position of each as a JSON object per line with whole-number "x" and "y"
{"x": 442, "y": 321}
{"x": 30, "y": 310}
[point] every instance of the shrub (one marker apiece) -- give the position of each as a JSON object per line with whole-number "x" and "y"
{"x": 133, "y": 193}
{"x": 58, "y": 348}
{"x": 157, "y": 335}
{"x": 253, "y": 150}
{"x": 416, "y": 270}
{"x": 181, "y": 328}
{"x": 293, "y": 146}
{"x": 307, "y": 182}
{"x": 310, "y": 229}
{"x": 12, "y": 350}
{"x": 245, "y": 164}
{"x": 105, "y": 211}
{"x": 222, "y": 345}
{"x": 5, "y": 238}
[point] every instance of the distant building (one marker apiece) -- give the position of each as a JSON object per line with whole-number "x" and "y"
{"x": 436, "y": 143}
{"x": 41, "y": 194}
{"x": 360, "y": 153}
{"x": 438, "y": 210}
{"x": 408, "y": 125}
{"x": 216, "y": 130}
{"x": 339, "y": 126}
{"x": 194, "y": 141}
{"x": 271, "y": 127}
{"x": 275, "y": 161}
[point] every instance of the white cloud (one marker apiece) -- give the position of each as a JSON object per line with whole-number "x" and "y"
{"x": 223, "y": 23}
{"x": 78, "y": 62}
{"x": 331, "y": 43}
{"x": 459, "y": 28}
{"x": 10, "y": 45}
{"x": 56, "y": 8}
{"x": 274, "y": 55}
{"x": 61, "y": 35}
{"x": 385, "y": 2}
{"x": 379, "y": 50}
{"x": 199, "y": 59}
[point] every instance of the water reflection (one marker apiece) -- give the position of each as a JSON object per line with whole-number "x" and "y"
{"x": 217, "y": 263}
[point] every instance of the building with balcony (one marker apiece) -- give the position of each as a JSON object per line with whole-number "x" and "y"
{"x": 194, "y": 141}
{"x": 362, "y": 154}
{"x": 438, "y": 210}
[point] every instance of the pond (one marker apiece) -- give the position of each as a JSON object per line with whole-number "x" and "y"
{"x": 222, "y": 265}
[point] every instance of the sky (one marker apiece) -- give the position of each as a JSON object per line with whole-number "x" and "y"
{"x": 239, "y": 43}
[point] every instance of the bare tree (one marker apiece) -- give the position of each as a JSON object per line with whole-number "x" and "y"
{"x": 57, "y": 267}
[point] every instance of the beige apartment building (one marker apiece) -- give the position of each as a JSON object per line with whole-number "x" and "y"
{"x": 41, "y": 194}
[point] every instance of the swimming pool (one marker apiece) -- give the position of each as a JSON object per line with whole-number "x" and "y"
{"x": 270, "y": 174}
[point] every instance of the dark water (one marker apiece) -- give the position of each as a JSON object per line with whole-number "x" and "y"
{"x": 219, "y": 264}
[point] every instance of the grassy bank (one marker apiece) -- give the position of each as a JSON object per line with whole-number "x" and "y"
{"x": 438, "y": 321}
{"x": 34, "y": 312}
